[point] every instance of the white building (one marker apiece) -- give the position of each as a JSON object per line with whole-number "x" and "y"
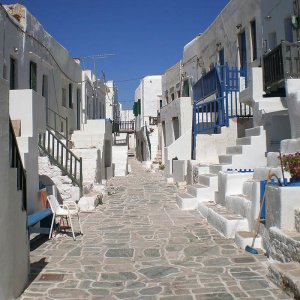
{"x": 41, "y": 91}
{"x": 146, "y": 106}
{"x": 112, "y": 101}
{"x": 93, "y": 95}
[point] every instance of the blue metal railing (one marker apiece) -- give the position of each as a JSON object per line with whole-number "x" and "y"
{"x": 207, "y": 85}
{"x": 214, "y": 114}
{"x": 209, "y": 115}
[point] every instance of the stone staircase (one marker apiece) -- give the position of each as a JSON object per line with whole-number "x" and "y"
{"x": 284, "y": 249}
{"x": 225, "y": 196}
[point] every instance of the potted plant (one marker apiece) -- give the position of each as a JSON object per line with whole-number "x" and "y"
{"x": 291, "y": 163}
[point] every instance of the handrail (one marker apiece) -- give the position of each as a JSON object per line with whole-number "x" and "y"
{"x": 209, "y": 115}
{"x": 62, "y": 156}
{"x": 61, "y": 129}
{"x": 148, "y": 140}
{"x": 281, "y": 63}
{"x": 16, "y": 162}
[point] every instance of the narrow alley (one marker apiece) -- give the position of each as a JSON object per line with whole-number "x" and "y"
{"x": 140, "y": 245}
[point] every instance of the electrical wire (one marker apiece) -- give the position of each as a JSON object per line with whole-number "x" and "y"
{"x": 40, "y": 43}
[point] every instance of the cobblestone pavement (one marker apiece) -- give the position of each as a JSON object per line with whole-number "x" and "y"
{"x": 140, "y": 245}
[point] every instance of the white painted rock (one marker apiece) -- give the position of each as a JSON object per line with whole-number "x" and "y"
{"x": 88, "y": 203}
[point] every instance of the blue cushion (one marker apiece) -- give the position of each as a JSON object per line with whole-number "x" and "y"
{"x": 38, "y": 216}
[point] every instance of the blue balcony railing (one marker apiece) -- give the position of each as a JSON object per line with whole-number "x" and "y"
{"x": 206, "y": 86}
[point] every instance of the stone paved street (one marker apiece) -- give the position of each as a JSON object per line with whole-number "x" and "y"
{"x": 140, "y": 245}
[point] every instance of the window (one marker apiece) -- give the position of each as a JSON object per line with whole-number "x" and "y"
{"x": 64, "y": 97}
{"x": 222, "y": 57}
{"x": 288, "y": 30}
{"x": 139, "y": 107}
{"x": 172, "y": 96}
{"x": 13, "y": 74}
{"x": 33, "y": 76}
{"x": 272, "y": 38}
{"x": 242, "y": 50}
{"x": 186, "y": 89}
{"x": 88, "y": 106}
{"x": 253, "y": 39}
{"x": 4, "y": 72}
{"x": 70, "y": 95}
{"x": 160, "y": 103}
{"x": 175, "y": 122}
{"x": 178, "y": 94}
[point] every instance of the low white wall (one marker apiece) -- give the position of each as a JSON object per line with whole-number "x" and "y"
{"x": 180, "y": 108}
{"x": 14, "y": 245}
{"x": 210, "y": 146}
{"x": 281, "y": 203}
{"x": 29, "y": 107}
{"x": 293, "y": 102}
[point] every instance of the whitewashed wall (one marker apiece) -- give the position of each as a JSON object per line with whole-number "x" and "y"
{"x": 203, "y": 51}
{"x": 14, "y": 244}
{"x": 54, "y": 63}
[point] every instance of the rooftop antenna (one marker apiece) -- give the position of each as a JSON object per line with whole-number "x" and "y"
{"x": 96, "y": 56}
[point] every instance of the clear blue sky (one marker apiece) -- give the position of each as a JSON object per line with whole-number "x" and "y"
{"x": 146, "y": 36}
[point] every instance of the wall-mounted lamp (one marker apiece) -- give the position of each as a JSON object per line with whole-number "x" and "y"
{"x": 218, "y": 44}
{"x": 268, "y": 17}
{"x": 16, "y": 49}
{"x": 238, "y": 26}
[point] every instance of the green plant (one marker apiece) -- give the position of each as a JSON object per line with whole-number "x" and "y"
{"x": 161, "y": 166}
{"x": 291, "y": 163}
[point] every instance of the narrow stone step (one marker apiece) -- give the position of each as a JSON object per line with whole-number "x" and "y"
{"x": 244, "y": 140}
{"x": 225, "y": 159}
{"x": 284, "y": 245}
{"x": 245, "y": 238}
{"x": 209, "y": 179}
{"x": 287, "y": 277}
{"x": 238, "y": 204}
{"x": 216, "y": 168}
{"x": 186, "y": 201}
{"x": 234, "y": 150}
{"x": 255, "y": 131}
{"x": 201, "y": 192}
{"x": 222, "y": 220}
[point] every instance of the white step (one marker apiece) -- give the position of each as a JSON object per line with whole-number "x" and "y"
{"x": 201, "y": 192}
{"x": 238, "y": 204}
{"x": 210, "y": 180}
{"x": 234, "y": 150}
{"x": 225, "y": 159}
{"x": 186, "y": 201}
{"x": 216, "y": 168}
{"x": 202, "y": 169}
{"x": 223, "y": 221}
{"x": 244, "y": 140}
{"x": 286, "y": 276}
{"x": 255, "y": 131}
{"x": 244, "y": 238}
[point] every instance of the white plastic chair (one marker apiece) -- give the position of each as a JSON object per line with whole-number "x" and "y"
{"x": 68, "y": 209}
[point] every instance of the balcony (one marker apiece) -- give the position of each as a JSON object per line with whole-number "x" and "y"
{"x": 280, "y": 64}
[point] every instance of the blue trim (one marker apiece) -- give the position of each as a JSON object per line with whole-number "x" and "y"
{"x": 263, "y": 184}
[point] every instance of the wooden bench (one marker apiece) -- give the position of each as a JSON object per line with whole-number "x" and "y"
{"x": 36, "y": 217}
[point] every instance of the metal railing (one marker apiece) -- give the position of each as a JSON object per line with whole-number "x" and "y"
{"x": 209, "y": 115}
{"x": 58, "y": 123}
{"x": 62, "y": 156}
{"x": 213, "y": 114}
{"x": 16, "y": 162}
{"x": 206, "y": 86}
{"x": 126, "y": 126}
{"x": 282, "y": 63}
